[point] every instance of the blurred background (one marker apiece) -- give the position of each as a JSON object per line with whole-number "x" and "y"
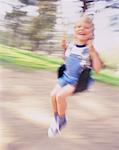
{"x": 39, "y": 25}
{"x": 30, "y": 36}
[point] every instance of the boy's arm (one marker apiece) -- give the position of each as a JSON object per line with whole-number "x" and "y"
{"x": 97, "y": 63}
{"x": 64, "y": 46}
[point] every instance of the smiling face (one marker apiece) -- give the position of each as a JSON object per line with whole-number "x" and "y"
{"x": 83, "y": 30}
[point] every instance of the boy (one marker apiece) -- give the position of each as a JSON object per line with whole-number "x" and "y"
{"x": 79, "y": 54}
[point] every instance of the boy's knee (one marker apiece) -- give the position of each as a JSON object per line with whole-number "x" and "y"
{"x": 53, "y": 94}
{"x": 59, "y": 96}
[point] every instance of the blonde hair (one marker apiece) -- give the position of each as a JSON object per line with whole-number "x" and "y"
{"x": 86, "y": 19}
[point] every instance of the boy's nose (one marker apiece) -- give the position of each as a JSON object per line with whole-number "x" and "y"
{"x": 81, "y": 28}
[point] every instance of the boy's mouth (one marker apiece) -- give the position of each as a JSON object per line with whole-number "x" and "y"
{"x": 81, "y": 34}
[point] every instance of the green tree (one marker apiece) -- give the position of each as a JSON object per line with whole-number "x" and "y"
{"x": 42, "y": 26}
{"x": 14, "y": 24}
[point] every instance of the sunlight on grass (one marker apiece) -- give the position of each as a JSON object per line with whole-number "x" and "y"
{"x": 107, "y": 76}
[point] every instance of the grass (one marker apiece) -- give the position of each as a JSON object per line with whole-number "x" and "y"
{"x": 29, "y": 60}
{"x": 107, "y": 77}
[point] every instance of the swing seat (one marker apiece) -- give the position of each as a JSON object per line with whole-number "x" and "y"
{"x": 83, "y": 80}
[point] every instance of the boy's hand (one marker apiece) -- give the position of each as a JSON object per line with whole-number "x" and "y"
{"x": 64, "y": 44}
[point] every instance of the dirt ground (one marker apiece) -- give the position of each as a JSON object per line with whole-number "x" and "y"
{"x": 25, "y": 114}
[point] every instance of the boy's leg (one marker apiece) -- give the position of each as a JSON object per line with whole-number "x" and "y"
{"x": 61, "y": 104}
{"x": 63, "y": 93}
{"x": 53, "y": 98}
{"x": 59, "y": 94}
{"x": 54, "y": 129}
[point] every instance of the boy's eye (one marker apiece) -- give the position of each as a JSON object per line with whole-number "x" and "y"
{"x": 86, "y": 27}
{"x": 78, "y": 26}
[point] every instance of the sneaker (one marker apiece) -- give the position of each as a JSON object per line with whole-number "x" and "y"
{"x": 53, "y": 129}
{"x": 62, "y": 123}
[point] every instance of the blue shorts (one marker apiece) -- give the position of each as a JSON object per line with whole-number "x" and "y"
{"x": 64, "y": 80}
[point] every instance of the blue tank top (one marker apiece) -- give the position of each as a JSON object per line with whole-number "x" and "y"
{"x": 76, "y": 60}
